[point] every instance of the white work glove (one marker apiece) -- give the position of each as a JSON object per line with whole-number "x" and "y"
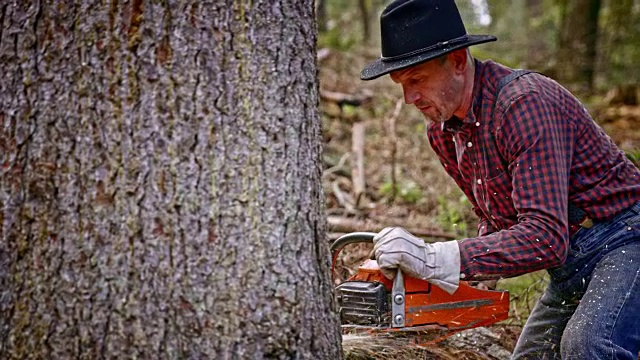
{"x": 439, "y": 263}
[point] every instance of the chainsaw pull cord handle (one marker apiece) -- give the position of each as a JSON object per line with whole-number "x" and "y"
{"x": 344, "y": 240}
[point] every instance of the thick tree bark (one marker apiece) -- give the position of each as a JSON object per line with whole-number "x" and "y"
{"x": 577, "y": 47}
{"x": 160, "y": 182}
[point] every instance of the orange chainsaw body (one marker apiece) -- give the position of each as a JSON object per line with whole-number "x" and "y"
{"x": 370, "y": 302}
{"x": 427, "y": 304}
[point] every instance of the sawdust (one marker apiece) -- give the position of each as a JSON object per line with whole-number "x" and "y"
{"x": 361, "y": 347}
{"x": 474, "y": 344}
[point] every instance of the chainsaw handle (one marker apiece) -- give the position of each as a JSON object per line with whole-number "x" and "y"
{"x": 351, "y": 238}
{"x": 344, "y": 240}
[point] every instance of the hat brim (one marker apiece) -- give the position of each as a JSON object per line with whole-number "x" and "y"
{"x": 380, "y": 67}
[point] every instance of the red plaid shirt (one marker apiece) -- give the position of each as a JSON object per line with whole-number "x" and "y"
{"x": 520, "y": 162}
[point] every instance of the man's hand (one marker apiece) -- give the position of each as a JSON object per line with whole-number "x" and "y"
{"x": 395, "y": 248}
{"x": 484, "y": 284}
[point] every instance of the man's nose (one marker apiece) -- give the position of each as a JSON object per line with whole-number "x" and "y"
{"x": 410, "y": 95}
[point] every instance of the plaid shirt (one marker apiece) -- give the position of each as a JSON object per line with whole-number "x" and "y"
{"x": 520, "y": 162}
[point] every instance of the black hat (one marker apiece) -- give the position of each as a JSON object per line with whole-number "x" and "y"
{"x": 414, "y": 31}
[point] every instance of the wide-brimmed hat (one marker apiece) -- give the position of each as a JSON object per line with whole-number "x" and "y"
{"x": 415, "y": 31}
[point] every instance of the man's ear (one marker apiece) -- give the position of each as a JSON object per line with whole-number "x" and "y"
{"x": 458, "y": 59}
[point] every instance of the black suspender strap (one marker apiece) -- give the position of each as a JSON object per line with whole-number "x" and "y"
{"x": 509, "y": 78}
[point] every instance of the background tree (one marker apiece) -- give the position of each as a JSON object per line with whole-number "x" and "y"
{"x": 618, "y": 43}
{"x": 159, "y": 182}
{"x": 537, "y": 46}
{"x": 577, "y": 45}
{"x": 321, "y": 15}
{"x": 365, "y": 12}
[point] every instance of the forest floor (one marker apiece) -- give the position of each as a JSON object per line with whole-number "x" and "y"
{"x": 405, "y": 185}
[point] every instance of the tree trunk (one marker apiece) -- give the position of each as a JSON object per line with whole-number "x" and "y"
{"x": 160, "y": 186}
{"x": 321, "y": 15}
{"x": 578, "y": 42}
{"x": 364, "y": 13}
{"x": 537, "y": 51}
{"x": 618, "y": 43}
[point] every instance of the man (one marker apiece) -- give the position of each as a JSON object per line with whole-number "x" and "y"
{"x": 551, "y": 190}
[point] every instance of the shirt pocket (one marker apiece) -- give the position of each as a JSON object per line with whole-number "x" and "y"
{"x": 497, "y": 199}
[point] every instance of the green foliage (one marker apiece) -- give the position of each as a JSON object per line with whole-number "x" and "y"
{"x": 526, "y": 36}
{"x": 519, "y": 284}
{"x": 528, "y": 33}
{"x": 634, "y": 156}
{"x": 524, "y": 291}
{"x": 408, "y": 192}
{"x": 337, "y": 39}
{"x": 619, "y": 42}
{"x": 451, "y": 214}
{"x": 344, "y": 26}
{"x": 420, "y": 128}
{"x": 349, "y": 111}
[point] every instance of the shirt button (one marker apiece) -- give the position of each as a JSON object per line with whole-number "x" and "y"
{"x": 479, "y": 181}
{"x": 469, "y": 144}
{"x": 478, "y": 123}
{"x": 462, "y": 276}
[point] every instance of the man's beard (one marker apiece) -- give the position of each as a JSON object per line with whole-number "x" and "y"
{"x": 438, "y": 118}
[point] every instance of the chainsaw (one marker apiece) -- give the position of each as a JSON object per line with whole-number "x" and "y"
{"x": 408, "y": 306}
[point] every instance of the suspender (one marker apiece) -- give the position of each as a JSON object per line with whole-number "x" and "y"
{"x": 509, "y": 78}
{"x": 576, "y": 215}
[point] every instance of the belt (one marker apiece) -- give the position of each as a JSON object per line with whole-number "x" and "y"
{"x": 577, "y": 217}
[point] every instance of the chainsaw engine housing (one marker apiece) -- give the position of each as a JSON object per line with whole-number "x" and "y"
{"x": 363, "y": 303}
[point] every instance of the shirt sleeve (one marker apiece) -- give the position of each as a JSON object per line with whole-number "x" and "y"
{"x": 484, "y": 226}
{"x": 536, "y": 141}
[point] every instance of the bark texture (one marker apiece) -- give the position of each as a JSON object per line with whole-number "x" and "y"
{"x": 160, "y": 187}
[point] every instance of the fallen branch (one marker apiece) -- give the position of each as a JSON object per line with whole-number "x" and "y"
{"x": 338, "y": 168}
{"x": 338, "y": 224}
{"x": 357, "y": 166}
{"x": 345, "y": 99}
{"x": 323, "y": 53}
{"x": 343, "y": 199}
{"x": 394, "y": 146}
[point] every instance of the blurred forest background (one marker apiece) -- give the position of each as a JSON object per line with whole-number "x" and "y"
{"x": 379, "y": 169}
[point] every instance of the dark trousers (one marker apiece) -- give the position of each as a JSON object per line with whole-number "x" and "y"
{"x": 591, "y": 307}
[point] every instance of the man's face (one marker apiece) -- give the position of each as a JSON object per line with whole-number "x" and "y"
{"x": 433, "y": 87}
